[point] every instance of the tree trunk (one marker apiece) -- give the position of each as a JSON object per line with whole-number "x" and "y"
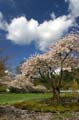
{"x": 56, "y": 94}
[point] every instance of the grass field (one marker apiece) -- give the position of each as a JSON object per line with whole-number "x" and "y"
{"x": 40, "y": 102}
{"x": 9, "y": 98}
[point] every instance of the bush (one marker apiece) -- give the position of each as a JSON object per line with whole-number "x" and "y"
{"x": 16, "y": 90}
{"x": 20, "y": 87}
{"x": 39, "y": 89}
{"x": 3, "y": 88}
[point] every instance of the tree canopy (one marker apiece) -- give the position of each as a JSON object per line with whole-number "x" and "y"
{"x": 63, "y": 55}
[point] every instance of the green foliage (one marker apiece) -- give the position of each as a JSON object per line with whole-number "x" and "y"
{"x": 75, "y": 85}
{"x": 45, "y": 82}
{"x": 2, "y": 88}
{"x": 67, "y": 82}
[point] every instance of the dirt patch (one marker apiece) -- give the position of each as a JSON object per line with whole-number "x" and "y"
{"x": 12, "y": 113}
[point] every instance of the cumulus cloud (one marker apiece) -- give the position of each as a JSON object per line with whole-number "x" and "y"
{"x": 52, "y": 30}
{"x": 3, "y": 23}
{"x": 23, "y": 31}
{"x": 73, "y": 7}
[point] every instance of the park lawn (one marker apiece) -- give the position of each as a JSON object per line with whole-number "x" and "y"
{"x": 11, "y": 98}
{"x": 38, "y": 102}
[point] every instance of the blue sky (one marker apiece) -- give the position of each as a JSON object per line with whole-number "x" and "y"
{"x": 30, "y": 26}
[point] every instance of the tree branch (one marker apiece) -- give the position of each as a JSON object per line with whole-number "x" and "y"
{"x": 62, "y": 61}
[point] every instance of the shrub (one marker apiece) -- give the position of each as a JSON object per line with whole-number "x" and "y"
{"x": 3, "y": 88}
{"x": 39, "y": 89}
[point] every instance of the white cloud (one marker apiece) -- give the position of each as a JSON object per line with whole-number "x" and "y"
{"x": 3, "y": 23}
{"x": 22, "y": 31}
{"x": 73, "y": 7}
{"x": 52, "y": 30}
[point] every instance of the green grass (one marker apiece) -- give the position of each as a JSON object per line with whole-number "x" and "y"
{"x": 38, "y": 102}
{"x": 9, "y": 98}
{"x": 43, "y": 103}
